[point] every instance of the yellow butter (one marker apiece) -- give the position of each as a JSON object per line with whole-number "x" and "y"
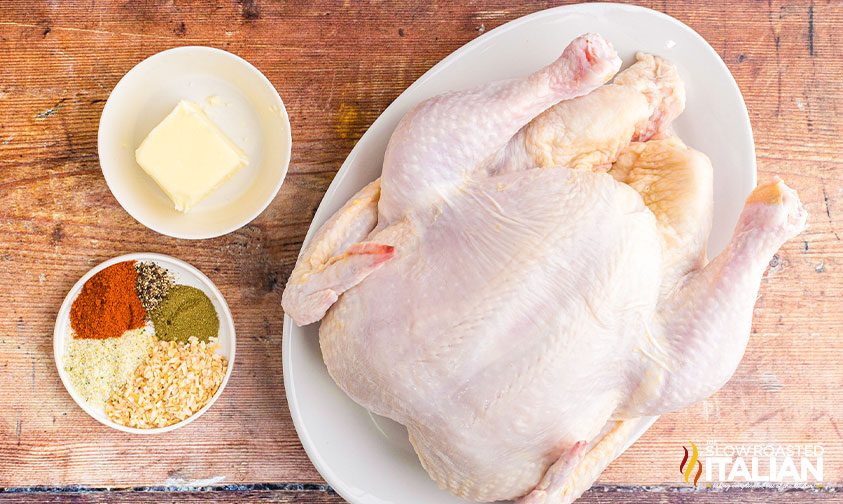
{"x": 188, "y": 156}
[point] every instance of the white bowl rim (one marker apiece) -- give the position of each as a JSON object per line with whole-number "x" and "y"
{"x": 58, "y": 338}
{"x": 282, "y": 109}
{"x": 343, "y": 488}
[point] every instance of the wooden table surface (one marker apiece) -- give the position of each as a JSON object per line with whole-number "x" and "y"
{"x": 338, "y": 65}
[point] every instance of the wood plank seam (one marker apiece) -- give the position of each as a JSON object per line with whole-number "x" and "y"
{"x": 81, "y": 489}
{"x": 326, "y": 489}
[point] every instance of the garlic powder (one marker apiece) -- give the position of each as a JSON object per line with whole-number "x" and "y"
{"x": 96, "y": 367}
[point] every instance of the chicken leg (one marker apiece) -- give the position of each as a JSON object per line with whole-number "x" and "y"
{"x": 590, "y": 132}
{"x": 573, "y": 474}
{"x": 441, "y": 142}
{"x": 705, "y": 324}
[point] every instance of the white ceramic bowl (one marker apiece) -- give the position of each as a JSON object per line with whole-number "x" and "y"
{"x": 237, "y": 97}
{"x": 185, "y": 274}
{"x": 367, "y": 459}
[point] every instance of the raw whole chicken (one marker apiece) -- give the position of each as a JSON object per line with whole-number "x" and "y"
{"x": 526, "y": 282}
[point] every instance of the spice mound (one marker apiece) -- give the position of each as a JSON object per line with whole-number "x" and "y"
{"x": 143, "y": 347}
{"x": 184, "y": 313}
{"x": 175, "y": 382}
{"x": 154, "y": 282}
{"x": 108, "y": 305}
{"x": 98, "y": 366}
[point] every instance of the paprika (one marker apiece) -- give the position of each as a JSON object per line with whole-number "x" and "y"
{"x": 108, "y": 304}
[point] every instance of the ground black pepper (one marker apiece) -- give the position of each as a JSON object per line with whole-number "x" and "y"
{"x": 153, "y": 284}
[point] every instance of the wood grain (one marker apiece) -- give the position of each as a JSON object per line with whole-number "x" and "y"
{"x": 276, "y": 496}
{"x": 338, "y": 66}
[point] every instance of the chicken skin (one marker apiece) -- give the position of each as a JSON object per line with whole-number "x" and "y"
{"x": 524, "y": 284}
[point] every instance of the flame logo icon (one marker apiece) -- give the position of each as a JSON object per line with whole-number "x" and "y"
{"x": 686, "y": 468}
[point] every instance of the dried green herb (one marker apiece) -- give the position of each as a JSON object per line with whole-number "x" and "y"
{"x": 184, "y": 312}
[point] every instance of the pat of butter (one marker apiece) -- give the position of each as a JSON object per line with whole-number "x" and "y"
{"x": 189, "y": 156}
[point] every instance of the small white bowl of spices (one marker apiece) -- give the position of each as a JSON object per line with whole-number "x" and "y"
{"x": 144, "y": 343}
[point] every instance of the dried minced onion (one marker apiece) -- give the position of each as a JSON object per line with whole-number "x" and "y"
{"x": 176, "y": 381}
